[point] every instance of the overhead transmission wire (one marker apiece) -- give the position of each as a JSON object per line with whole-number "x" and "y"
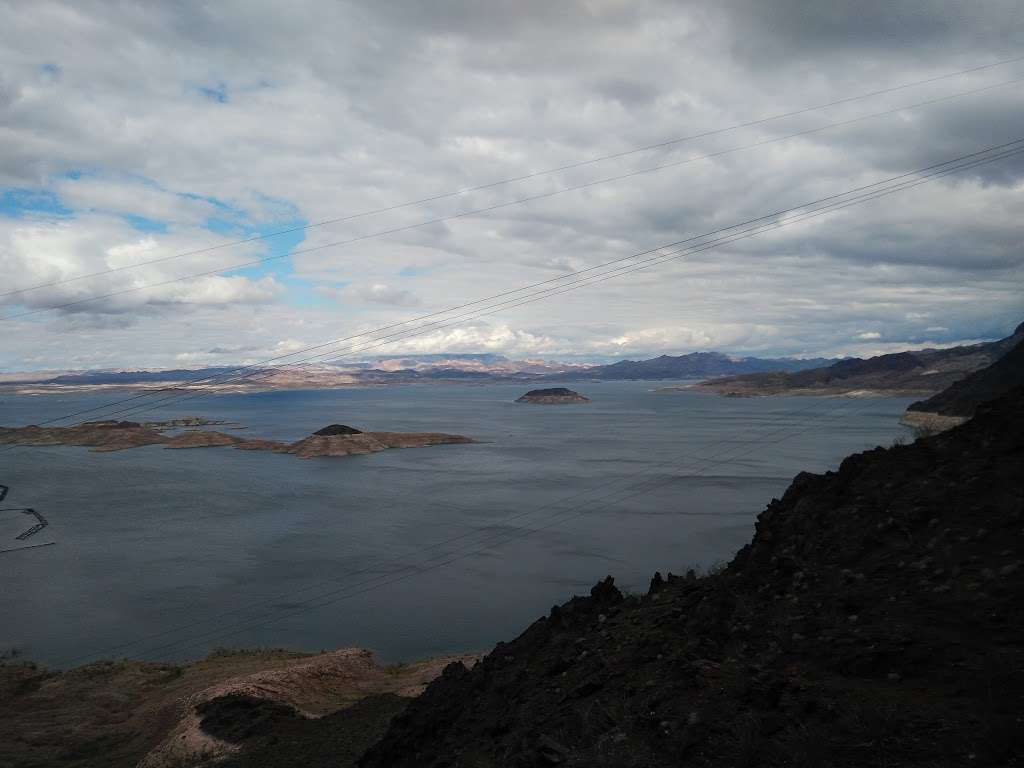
{"x": 661, "y": 257}
{"x": 500, "y": 538}
{"x": 379, "y": 563}
{"x": 483, "y": 186}
{"x": 979, "y": 158}
{"x": 941, "y": 164}
{"x": 259, "y": 367}
{"x": 564, "y": 516}
{"x": 193, "y": 395}
{"x": 505, "y": 204}
{"x": 525, "y": 177}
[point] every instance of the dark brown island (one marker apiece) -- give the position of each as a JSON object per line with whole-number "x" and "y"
{"x": 553, "y": 396}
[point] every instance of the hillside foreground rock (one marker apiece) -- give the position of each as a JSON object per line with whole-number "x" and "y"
{"x": 877, "y": 618}
{"x": 123, "y": 714}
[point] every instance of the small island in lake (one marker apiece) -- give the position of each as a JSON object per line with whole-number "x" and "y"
{"x": 334, "y": 440}
{"x": 553, "y": 396}
{"x": 338, "y": 429}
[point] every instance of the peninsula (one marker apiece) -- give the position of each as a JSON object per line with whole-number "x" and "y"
{"x": 922, "y": 372}
{"x": 957, "y": 403}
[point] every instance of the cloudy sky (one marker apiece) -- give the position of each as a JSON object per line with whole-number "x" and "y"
{"x": 134, "y": 131}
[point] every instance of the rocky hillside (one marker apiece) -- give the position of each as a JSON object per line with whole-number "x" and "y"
{"x": 958, "y": 402}
{"x": 876, "y": 619}
{"x": 923, "y": 371}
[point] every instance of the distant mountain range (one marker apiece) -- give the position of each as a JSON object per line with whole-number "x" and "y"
{"x": 696, "y": 365}
{"x": 391, "y": 369}
{"x": 924, "y": 371}
{"x": 405, "y": 369}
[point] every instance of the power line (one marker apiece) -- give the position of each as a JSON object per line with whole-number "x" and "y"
{"x": 524, "y": 177}
{"x": 30, "y": 546}
{"x": 506, "y": 204}
{"x": 417, "y": 569}
{"x": 976, "y": 158}
{"x": 499, "y": 538}
{"x": 547, "y": 293}
{"x": 405, "y": 556}
{"x": 884, "y": 191}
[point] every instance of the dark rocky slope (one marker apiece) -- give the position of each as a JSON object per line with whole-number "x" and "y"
{"x": 876, "y": 619}
{"x": 961, "y": 399}
{"x": 272, "y": 735}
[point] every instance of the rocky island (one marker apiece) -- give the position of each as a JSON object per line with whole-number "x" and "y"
{"x": 335, "y": 440}
{"x": 553, "y": 396}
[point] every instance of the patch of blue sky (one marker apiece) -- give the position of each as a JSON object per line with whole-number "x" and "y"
{"x": 143, "y": 224}
{"x": 220, "y": 92}
{"x": 217, "y": 93}
{"x": 21, "y": 203}
{"x": 413, "y": 271}
{"x": 18, "y": 203}
{"x": 230, "y": 222}
{"x": 274, "y": 260}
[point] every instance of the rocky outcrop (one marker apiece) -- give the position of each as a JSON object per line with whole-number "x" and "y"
{"x": 553, "y": 396}
{"x": 931, "y": 422}
{"x": 957, "y": 403}
{"x": 875, "y": 619}
{"x": 338, "y": 429}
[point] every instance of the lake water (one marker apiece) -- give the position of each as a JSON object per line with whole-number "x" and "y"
{"x": 168, "y": 554}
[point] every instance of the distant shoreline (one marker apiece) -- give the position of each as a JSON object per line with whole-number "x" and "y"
{"x": 708, "y": 388}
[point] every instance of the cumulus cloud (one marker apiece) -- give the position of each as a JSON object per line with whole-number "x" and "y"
{"x": 165, "y": 128}
{"x": 74, "y": 257}
{"x": 374, "y": 293}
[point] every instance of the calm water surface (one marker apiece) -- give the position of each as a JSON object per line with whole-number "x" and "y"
{"x": 168, "y": 554}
